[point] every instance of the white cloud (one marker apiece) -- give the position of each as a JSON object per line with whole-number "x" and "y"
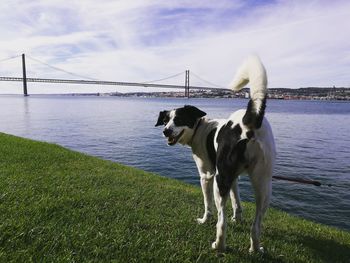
{"x": 302, "y": 43}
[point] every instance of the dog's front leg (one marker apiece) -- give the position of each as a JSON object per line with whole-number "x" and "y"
{"x": 207, "y": 189}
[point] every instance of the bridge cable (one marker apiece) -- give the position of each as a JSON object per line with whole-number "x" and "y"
{"x": 208, "y": 82}
{"x": 59, "y": 69}
{"x": 5, "y": 59}
{"x": 157, "y": 80}
{"x": 81, "y": 76}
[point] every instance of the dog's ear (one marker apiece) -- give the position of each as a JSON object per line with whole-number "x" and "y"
{"x": 194, "y": 112}
{"x": 163, "y": 118}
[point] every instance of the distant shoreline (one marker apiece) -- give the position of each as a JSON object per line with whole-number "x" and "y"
{"x": 310, "y": 93}
{"x": 276, "y": 94}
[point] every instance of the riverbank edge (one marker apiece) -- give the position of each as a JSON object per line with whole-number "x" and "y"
{"x": 59, "y": 205}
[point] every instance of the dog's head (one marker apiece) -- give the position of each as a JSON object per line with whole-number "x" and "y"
{"x": 179, "y": 123}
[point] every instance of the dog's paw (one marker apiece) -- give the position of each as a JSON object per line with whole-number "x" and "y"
{"x": 218, "y": 247}
{"x": 237, "y": 219}
{"x": 202, "y": 220}
{"x": 237, "y": 216}
{"x": 259, "y": 250}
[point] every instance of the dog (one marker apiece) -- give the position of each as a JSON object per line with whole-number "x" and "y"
{"x": 225, "y": 149}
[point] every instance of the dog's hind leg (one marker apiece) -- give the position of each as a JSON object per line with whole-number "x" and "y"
{"x": 236, "y": 202}
{"x": 207, "y": 189}
{"x": 261, "y": 180}
{"x": 220, "y": 201}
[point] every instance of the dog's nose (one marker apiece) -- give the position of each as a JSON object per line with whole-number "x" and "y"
{"x": 167, "y": 132}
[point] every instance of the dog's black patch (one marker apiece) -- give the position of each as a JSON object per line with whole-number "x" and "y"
{"x": 230, "y": 155}
{"x": 187, "y": 116}
{"x": 210, "y": 148}
{"x": 163, "y": 118}
{"x": 252, "y": 119}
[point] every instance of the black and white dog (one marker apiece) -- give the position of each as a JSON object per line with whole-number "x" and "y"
{"x": 224, "y": 149}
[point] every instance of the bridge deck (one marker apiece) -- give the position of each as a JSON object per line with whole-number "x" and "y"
{"x": 114, "y": 83}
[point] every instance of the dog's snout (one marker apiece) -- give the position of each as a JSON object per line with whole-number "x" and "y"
{"x": 167, "y": 132}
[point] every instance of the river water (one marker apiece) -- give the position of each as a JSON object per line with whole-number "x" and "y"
{"x": 312, "y": 140}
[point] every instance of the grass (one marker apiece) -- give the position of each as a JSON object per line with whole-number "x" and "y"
{"x": 57, "y": 205}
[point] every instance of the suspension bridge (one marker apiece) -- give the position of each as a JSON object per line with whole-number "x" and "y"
{"x": 88, "y": 81}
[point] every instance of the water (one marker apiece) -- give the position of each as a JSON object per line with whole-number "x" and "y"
{"x": 312, "y": 140}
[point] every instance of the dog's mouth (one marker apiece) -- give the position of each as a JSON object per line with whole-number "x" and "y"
{"x": 172, "y": 140}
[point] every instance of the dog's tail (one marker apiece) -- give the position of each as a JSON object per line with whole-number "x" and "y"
{"x": 252, "y": 71}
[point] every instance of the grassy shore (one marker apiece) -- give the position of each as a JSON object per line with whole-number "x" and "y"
{"x": 57, "y": 205}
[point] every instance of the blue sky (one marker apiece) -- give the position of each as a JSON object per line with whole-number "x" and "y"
{"x": 302, "y": 43}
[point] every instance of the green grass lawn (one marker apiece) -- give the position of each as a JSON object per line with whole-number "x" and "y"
{"x": 57, "y": 205}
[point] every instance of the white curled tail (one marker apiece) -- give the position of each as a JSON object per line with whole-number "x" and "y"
{"x": 252, "y": 71}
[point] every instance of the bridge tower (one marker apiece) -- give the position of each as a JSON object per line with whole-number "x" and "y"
{"x": 25, "y": 92}
{"x": 187, "y": 84}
